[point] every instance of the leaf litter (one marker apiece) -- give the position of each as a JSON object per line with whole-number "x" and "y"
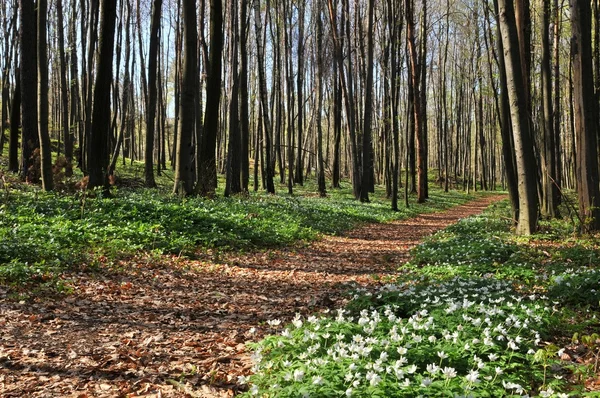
{"x": 171, "y": 327}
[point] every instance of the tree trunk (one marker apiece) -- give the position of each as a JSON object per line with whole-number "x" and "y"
{"x": 585, "y": 116}
{"x": 233, "y": 183}
{"x": 184, "y": 184}
{"x": 207, "y": 175}
{"x": 152, "y": 94}
{"x": 523, "y": 140}
{"x": 42, "y": 78}
{"x": 367, "y": 149}
{"x": 99, "y": 138}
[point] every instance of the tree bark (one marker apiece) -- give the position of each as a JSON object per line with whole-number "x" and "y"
{"x": 523, "y": 140}
{"x": 184, "y": 184}
{"x": 585, "y": 116}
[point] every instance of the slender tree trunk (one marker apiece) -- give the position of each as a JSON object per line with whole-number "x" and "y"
{"x": 152, "y": 94}
{"x": 262, "y": 83}
{"x": 233, "y": 183}
{"x": 367, "y": 149}
{"x": 319, "y": 102}
{"x": 15, "y": 120}
{"x": 42, "y": 78}
{"x": 184, "y": 184}
{"x": 244, "y": 97}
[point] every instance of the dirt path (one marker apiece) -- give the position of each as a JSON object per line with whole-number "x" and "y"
{"x": 160, "y": 326}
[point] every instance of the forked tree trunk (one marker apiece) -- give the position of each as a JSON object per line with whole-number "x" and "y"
{"x": 523, "y": 140}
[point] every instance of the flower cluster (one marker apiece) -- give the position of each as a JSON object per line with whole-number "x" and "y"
{"x": 464, "y": 337}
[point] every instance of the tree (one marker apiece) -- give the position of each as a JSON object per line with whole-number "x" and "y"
{"x": 42, "y": 79}
{"x": 516, "y": 87}
{"x": 319, "y": 101}
{"x": 264, "y": 103}
{"x": 234, "y": 165}
{"x": 207, "y": 167}
{"x": 29, "y": 98}
{"x": 184, "y": 184}
{"x": 152, "y": 93}
{"x": 99, "y": 138}
{"x": 585, "y": 116}
{"x": 367, "y": 150}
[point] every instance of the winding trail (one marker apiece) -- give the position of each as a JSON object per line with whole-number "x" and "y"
{"x": 171, "y": 327}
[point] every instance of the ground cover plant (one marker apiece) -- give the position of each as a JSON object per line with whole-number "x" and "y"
{"x": 42, "y": 234}
{"x": 476, "y": 312}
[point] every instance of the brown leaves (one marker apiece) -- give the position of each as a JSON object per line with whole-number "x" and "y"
{"x": 133, "y": 333}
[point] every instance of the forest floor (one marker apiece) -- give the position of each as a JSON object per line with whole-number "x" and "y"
{"x": 166, "y": 326}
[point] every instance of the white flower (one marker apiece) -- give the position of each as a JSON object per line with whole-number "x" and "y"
{"x": 449, "y": 372}
{"x": 493, "y": 357}
{"x": 402, "y": 350}
{"x": 349, "y": 392}
{"x": 373, "y": 378}
{"x": 252, "y": 330}
{"x": 317, "y": 380}
{"x": 298, "y": 375}
{"x": 411, "y": 369}
{"x": 426, "y": 382}
{"x": 473, "y": 376}
{"x": 274, "y": 322}
{"x": 546, "y": 393}
{"x": 499, "y": 370}
{"x": 442, "y": 355}
{"x": 433, "y": 368}
{"x": 242, "y": 380}
{"x": 254, "y": 389}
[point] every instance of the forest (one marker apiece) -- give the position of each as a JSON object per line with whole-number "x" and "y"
{"x": 285, "y": 198}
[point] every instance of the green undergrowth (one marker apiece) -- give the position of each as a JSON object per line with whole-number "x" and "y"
{"x": 44, "y": 234}
{"x": 477, "y": 312}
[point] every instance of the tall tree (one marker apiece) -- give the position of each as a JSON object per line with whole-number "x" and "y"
{"x": 207, "y": 173}
{"x": 184, "y": 183}
{"x": 319, "y": 100}
{"x": 367, "y": 150}
{"x": 234, "y": 145}
{"x": 518, "y": 104}
{"x": 100, "y": 129}
{"x": 29, "y": 133}
{"x": 264, "y": 103}
{"x": 42, "y": 79}
{"x": 152, "y": 93}
{"x": 64, "y": 88}
{"x": 585, "y": 115}
{"x": 549, "y": 188}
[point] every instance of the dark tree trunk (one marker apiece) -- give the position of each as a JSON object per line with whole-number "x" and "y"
{"x": 207, "y": 175}
{"x": 184, "y": 183}
{"x": 588, "y": 192}
{"x": 367, "y": 149}
{"x": 99, "y": 138}
{"x": 244, "y": 97}
{"x": 152, "y": 94}
{"x": 29, "y": 98}
{"x": 64, "y": 93}
{"x": 233, "y": 183}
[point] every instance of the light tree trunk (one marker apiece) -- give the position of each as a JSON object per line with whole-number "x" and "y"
{"x": 523, "y": 140}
